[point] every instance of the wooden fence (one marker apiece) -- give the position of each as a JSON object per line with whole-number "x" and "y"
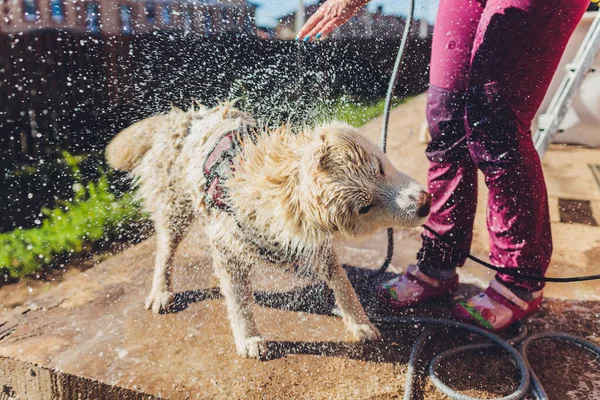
{"x": 74, "y": 91}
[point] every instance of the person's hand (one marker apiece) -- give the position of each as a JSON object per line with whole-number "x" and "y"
{"x": 329, "y": 16}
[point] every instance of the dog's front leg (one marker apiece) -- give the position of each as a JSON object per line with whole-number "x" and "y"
{"x": 168, "y": 236}
{"x": 353, "y": 313}
{"x": 235, "y": 286}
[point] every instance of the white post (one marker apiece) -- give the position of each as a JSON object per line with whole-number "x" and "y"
{"x": 424, "y": 25}
{"x": 299, "y": 16}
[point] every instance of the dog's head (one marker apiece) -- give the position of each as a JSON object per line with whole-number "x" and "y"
{"x": 354, "y": 189}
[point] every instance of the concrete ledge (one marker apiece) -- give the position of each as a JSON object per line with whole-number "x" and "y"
{"x": 22, "y": 380}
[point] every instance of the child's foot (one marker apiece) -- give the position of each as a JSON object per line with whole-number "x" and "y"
{"x": 414, "y": 287}
{"x": 497, "y": 308}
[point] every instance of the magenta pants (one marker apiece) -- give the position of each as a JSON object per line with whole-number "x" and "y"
{"x": 491, "y": 64}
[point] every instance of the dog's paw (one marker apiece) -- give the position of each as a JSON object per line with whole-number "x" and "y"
{"x": 253, "y": 347}
{"x": 365, "y": 332}
{"x": 159, "y": 302}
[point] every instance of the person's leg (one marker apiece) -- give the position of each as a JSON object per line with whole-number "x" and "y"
{"x": 516, "y": 51}
{"x": 517, "y": 48}
{"x": 452, "y": 182}
{"x": 452, "y": 175}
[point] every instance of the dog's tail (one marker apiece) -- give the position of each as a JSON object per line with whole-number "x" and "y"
{"x": 130, "y": 145}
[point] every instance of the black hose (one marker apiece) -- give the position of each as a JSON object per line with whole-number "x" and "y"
{"x": 528, "y": 378}
{"x": 409, "y": 377}
{"x": 386, "y": 115}
{"x": 513, "y": 272}
{"x": 521, "y": 363}
{"x": 395, "y": 74}
{"x": 536, "y": 385}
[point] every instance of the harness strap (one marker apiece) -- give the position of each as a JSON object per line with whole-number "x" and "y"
{"x": 219, "y": 164}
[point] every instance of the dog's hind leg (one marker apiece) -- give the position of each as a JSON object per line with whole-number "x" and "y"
{"x": 169, "y": 232}
{"x": 353, "y": 313}
{"x": 234, "y": 278}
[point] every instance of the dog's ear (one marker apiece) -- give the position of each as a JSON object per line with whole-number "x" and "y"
{"x": 225, "y": 109}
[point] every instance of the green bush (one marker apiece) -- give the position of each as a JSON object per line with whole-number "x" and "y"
{"x": 93, "y": 214}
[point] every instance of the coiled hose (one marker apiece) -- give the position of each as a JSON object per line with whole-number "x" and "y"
{"x": 528, "y": 377}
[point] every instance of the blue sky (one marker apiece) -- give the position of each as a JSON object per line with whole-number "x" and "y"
{"x": 270, "y": 10}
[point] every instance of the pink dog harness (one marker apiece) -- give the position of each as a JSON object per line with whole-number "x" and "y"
{"x": 220, "y": 163}
{"x": 218, "y": 166}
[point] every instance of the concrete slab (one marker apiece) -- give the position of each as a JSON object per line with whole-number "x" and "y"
{"x": 93, "y": 324}
{"x": 26, "y": 380}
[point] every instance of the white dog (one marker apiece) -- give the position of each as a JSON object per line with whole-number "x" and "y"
{"x": 267, "y": 196}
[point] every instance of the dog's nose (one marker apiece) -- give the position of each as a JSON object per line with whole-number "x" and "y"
{"x": 424, "y": 204}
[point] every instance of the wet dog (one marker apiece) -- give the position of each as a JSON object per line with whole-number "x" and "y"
{"x": 267, "y": 196}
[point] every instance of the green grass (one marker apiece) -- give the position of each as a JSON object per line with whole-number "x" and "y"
{"x": 357, "y": 112}
{"x": 92, "y": 215}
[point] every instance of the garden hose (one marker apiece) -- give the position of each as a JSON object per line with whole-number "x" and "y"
{"x": 386, "y": 114}
{"x": 520, "y": 361}
{"x": 537, "y": 386}
{"x": 510, "y": 272}
{"x": 528, "y": 377}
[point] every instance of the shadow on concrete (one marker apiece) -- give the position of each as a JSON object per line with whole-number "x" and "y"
{"x": 385, "y": 351}
{"x": 318, "y": 299}
{"x": 184, "y": 299}
{"x": 314, "y": 298}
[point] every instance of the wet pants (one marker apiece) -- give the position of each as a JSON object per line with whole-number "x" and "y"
{"x": 492, "y": 62}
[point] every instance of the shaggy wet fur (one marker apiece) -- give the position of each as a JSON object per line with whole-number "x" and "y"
{"x": 292, "y": 195}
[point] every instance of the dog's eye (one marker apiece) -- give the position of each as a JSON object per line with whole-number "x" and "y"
{"x": 365, "y": 209}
